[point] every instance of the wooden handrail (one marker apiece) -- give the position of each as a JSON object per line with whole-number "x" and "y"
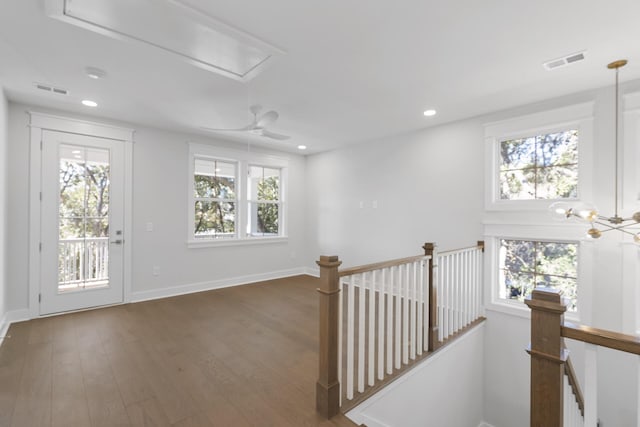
{"x": 573, "y": 382}
{"x": 379, "y": 265}
{"x": 468, "y": 248}
{"x": 548, "y": 354}
{"x": 328, "y": 386}
{"x": 602, "y": 337}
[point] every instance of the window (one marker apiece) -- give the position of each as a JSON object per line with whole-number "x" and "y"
{"x": 214, "y": 187}
{"x": 235, "y": 196}
{"x": 539, "y": 157}
{"x": 525, "y": 264}
{"x": 540, "y": 167}
{"x": 264, "y": 201}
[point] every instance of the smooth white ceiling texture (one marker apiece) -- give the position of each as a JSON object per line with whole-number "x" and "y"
{"x": 352, "y": 70}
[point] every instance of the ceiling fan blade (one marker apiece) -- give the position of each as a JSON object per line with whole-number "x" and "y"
{"x": 273, "y": 135}
{"x": 242, "y": 129}
{"x": 267, "y": 118}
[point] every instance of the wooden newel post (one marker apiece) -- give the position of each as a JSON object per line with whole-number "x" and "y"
{"x": 547, "y": 357}
{"x": 328, "y": 385}
{"x": 429, "y": 250}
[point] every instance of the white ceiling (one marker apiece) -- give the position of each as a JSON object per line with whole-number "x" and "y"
{"x": 354, "y": 70}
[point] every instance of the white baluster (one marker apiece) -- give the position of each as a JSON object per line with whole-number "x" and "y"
{"x": 450, "y": 293}
{"x": 390, "y": 317}
{"x": 381, "y": 313}
{"x": 398, "y": 316}
{"x": 361, "y": 335}
{"x": 591, "y": 385}
{"x": 474, "y": 284}
{"x": 444, "y": 280}
{"x": 405, "y": 313}
{"x": 350, "y": 336}
{"x": 420, "y": 305}
{"x": 425, "y": 304}
{"x": 372, "y": 328}
{"x": 440, "y": 296}
{"x": 638, "y": 382}
{"x": 340, "y": 325}
{"x": 411, "y": 282}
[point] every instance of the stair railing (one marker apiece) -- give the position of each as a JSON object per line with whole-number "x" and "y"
{"x": 378, "y": 320}
{"x": 552, "y": 376}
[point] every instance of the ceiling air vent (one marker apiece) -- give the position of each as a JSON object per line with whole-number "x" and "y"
{"x": 564, "y": 61}
{"x": 52, "y": 89}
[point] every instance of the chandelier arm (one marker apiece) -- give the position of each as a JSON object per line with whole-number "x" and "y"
{"x": 620, "y": 227}
{"x": 604, "y": 224}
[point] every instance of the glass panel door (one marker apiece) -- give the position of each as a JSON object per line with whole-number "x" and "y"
{"x": 81, "y": 219}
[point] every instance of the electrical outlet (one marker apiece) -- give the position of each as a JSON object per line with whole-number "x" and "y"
{"x": 156, "y": 270}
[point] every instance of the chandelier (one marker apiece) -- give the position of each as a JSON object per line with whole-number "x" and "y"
{"x": 588, "y": 213}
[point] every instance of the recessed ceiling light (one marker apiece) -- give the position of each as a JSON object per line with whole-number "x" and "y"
{"x": 429, "y": 113}
{"x": 89, "y": 103}
{"x": 302, "y": 147}
{"x": 95, "y": 73}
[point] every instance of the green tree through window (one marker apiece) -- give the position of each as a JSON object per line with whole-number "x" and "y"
{"x": 526, "y": 264}
{"x": 214, "y": 198}
{"x": 540, "y": 167}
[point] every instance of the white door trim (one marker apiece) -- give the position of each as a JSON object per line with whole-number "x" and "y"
{"x": 38, "y": 123}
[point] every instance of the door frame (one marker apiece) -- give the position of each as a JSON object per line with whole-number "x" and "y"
{"x": 38, "y": 123}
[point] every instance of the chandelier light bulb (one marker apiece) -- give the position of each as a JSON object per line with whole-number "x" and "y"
{"x": 589, "y": 215}
{"x": 594, "y": 233}
{"x": 636, "y": 217}
{"x": 560, "y": 210}
{"x": 636, "y": 238}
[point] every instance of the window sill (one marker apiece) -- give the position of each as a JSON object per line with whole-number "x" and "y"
{"x": 521, "y": 310}
{"x": 194, "y": 244}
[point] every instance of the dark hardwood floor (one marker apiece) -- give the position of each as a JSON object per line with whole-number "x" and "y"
{"x": 242, "y": 356}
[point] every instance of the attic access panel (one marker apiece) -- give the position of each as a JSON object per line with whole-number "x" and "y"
{"x": 175, "y": 27}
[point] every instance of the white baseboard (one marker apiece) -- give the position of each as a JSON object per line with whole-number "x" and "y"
{"x": 9, "y": 318}
{"x": 369, "y": 421}
{"x": 213, "y": 284}
{"x": 312, "y": 271}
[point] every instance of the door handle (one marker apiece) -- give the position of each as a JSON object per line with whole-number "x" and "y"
{"x": 117, "y": 242}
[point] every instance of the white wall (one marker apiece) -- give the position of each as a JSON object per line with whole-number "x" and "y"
{"x": 429, "y": 187}
{"x": 160, "y": 185}
{"x": 416, "y": 399}
{"x": 4, "y": 242}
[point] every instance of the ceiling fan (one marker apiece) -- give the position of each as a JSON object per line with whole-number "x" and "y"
{"x": 258, "y": 125}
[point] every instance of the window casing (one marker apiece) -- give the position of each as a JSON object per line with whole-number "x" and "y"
{"x": 235, "y": 197}
{"x": 532, "y": 160}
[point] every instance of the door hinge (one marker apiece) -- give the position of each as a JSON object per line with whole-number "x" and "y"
{"x": 39, "y": 297}
{"x": 41, "y": 196}
{"x": 41, "y": 145}
{"x": 40, "y": 246}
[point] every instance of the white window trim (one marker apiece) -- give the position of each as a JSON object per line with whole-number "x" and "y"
{"x": 565, "y": 233}
{"x": 578, "y": 117}
{"x": 630, "y": 190}
{"x": 243, "y": 159}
